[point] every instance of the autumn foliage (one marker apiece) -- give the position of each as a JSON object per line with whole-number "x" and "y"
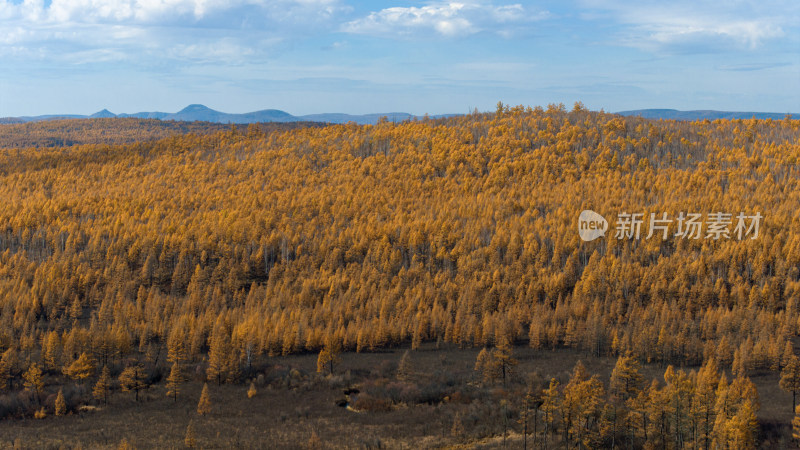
{"x": 250, "y": 242}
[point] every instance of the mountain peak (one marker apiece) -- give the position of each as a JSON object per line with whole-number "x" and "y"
{"x": 199, "y": 112}
{"x": 104, "y": 114}
{"x": 195, "y": 108}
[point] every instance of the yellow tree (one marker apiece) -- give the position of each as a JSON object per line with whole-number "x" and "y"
{"x": 743, "y": 427}
{"x": 221, "y": 356}
{"x": 703, "y": 402}
{"x": 80, "y": 369}
{"x": 176, "y": 347}
{"x": 51, "y": 347}
{"x": 658, "y": 415}
{"x": 582, "y": 406}
{"x": 788, "y": 352}
{"x": 625, "y": 378}
{"x": 551, "y": 404}
{"x": 679, "y": 392}
{"x": 790, "y": 378}
{"x": 61, "y": 404}
{"x": 132, "y": 379}
{"x": 504, "y": 359}
{"x": 486, "y": 366}
{"x": 174, "y": 381}
{"x": 103, "y": 385}
{"x": 204, "y": 405}
{"x": 189, "y": 439}
{"x": 33, "y": 380}
{"x": 625, "y": 384}
{"x": 736, "y": 407}
{"x": 329, "y": 355}
{"x": 7, "y": 363}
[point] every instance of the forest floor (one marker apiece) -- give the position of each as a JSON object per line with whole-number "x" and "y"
{"x": 296, "y": 408}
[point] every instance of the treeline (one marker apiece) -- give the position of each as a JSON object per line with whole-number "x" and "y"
{"x": 253, "y": 242}
{"x": 113, "y": 131}
{"x": 699, "y": 409}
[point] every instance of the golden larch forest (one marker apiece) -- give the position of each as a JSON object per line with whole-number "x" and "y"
{"x": 143, "y": 254}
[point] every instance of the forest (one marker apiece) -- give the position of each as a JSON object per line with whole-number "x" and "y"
{"x": 140, "y": 257}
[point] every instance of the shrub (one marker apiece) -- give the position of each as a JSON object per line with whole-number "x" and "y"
{"x": 367, "y": 402}
{"x": 403, "y": 392}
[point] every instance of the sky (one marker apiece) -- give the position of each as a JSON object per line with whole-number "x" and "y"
{"x": 317, "y": 56}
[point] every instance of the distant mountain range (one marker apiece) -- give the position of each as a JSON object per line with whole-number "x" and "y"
{"x": 203, "y": 113}
{"x": 674, "y": 114}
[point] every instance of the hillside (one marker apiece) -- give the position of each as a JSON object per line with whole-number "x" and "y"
{"x": 207, "y": 255}
{"x": 202, "y": 113}
{"x": 674, "y": 114}
{"x": 68, "y": 132}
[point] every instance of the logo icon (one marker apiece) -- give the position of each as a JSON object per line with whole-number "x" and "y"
{"x": 591, "y": 225}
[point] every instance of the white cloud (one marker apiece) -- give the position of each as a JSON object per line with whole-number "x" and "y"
{"x": 695, "y": 26}
{"x": 681, "y": 31}
{"x": 449, "y": 19}
{"x": 70, "y": 31}
{"x": 149, "y": 11}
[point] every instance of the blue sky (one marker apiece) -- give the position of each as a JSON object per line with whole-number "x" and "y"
{"x": 313, "y": 56}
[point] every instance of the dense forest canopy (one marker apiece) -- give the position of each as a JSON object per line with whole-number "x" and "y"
{"x": 459, "y": 228}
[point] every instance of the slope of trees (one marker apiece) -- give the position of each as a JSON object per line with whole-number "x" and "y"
{"x": 67, "y": 132}
{"x": 252, "y": 242}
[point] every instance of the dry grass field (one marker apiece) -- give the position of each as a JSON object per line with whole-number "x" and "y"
{"x": 297, "y": 408}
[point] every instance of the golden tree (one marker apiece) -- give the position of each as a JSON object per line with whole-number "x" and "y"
{"x": 33, "y": 380}
{"x": 8, "y": 361}
{"x": 61, "y": 404}
{"x": 132, "y": 378}
{"x": 189, "y": 438}
{"x": 103, "y": 385}
{"x": 551, "y": 404}
{"x": 329, "y": 355}
{"x": 174, "y": 381}
{"x": 790, "y": 378}
{"x": 79, "y": 369}
{"x": 504, "y": 359}
{"x": 221, "y": 361}
{"x": 204, "y": 405}
{"x": 486, "y": 365}
{"x": 703, "y": 403}
{"x": 625, "y": 378}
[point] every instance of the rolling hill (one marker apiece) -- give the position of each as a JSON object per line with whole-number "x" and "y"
{"x": 197, "y": 112}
